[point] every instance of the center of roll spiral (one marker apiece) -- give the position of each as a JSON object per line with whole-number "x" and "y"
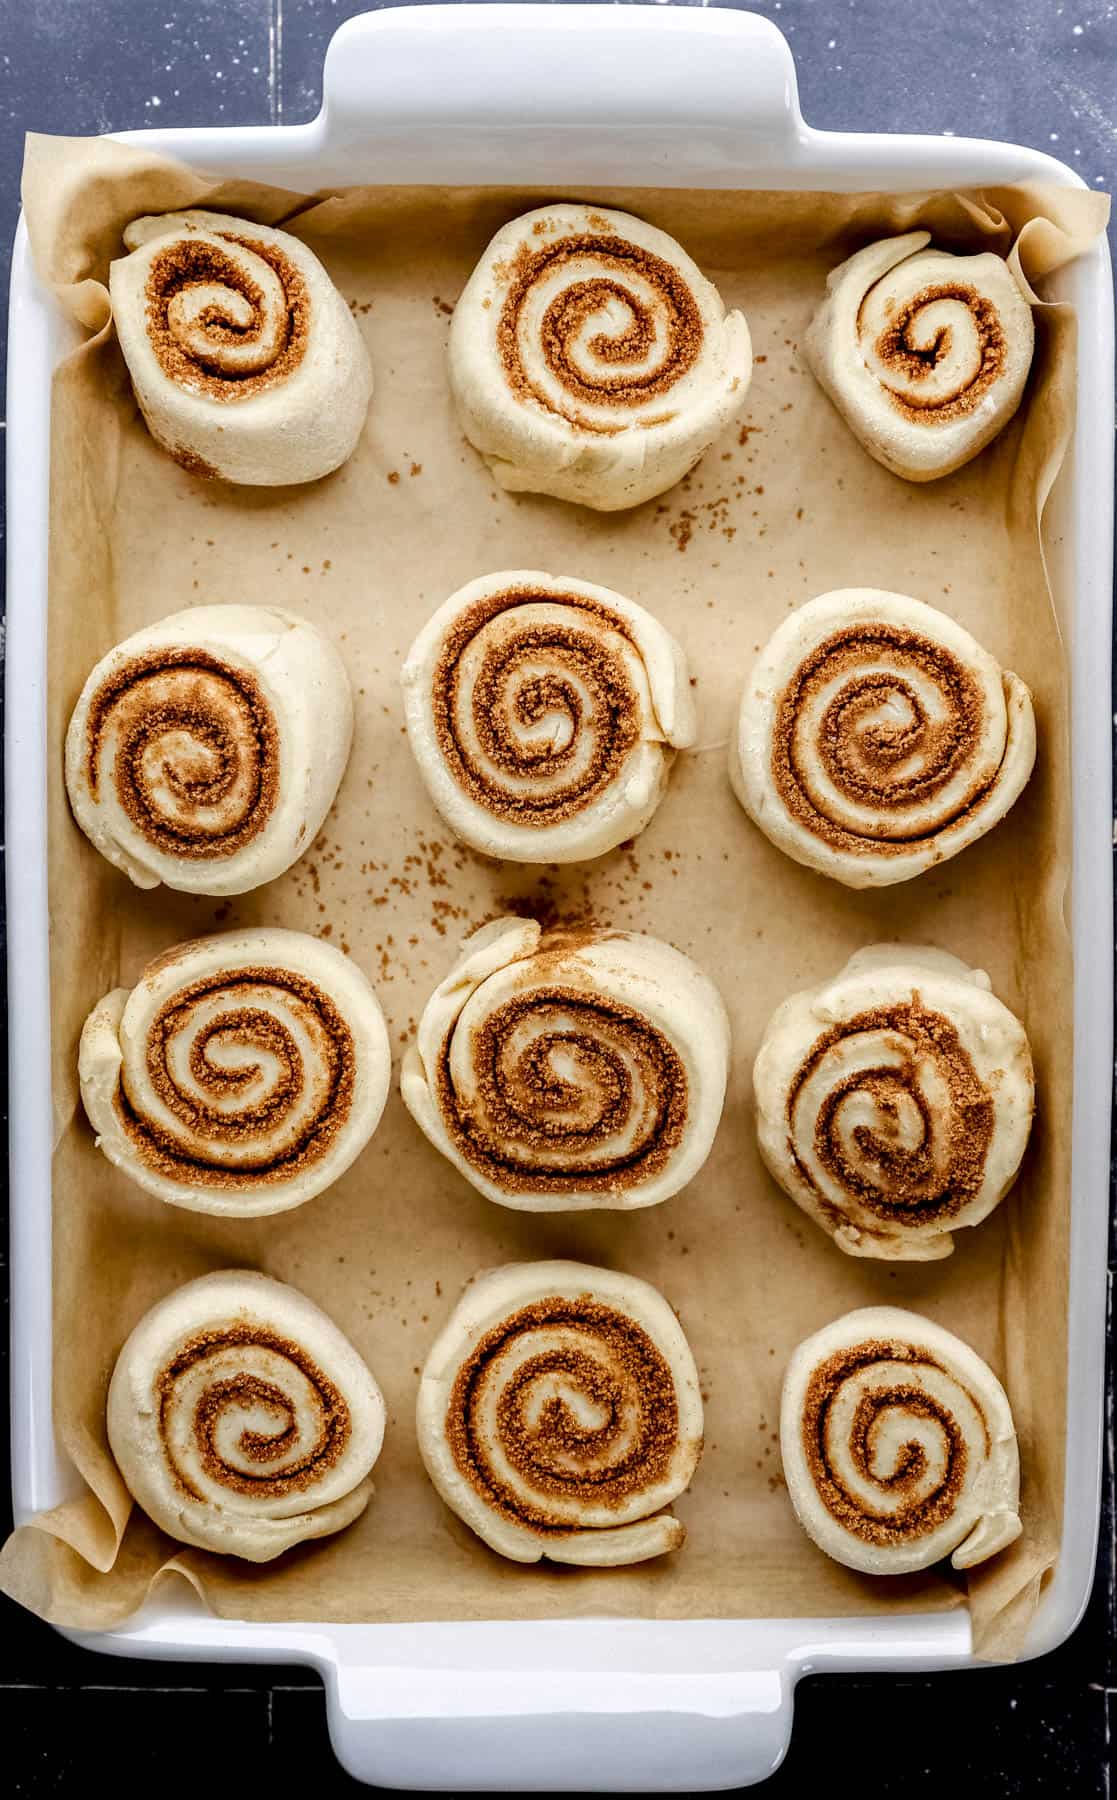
{"x": 878, "y": 720}
{"x": 564, "y": 1402}
{"x": 650, "y": 332}
{"x": 252, "y": 1075}
{"x": 568, "y": 1093}
{"x": 306, "y": 1436}
{"x": 543, "y": 723}
{"x": 190, "y": 747}
{"x": 228, "y": 321}
{"x": 940, "y": 352}
{"x": 908, "y": 1137}
{"x": 887, "y": 1453}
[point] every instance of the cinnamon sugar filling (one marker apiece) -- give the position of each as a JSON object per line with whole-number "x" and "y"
{"x": 603, "y": 1357}
{"x": 532, "y": 1129}
{"x": 332, "y": 1417}
{"x": 210, "y": 730}
{"x": 501, "y": 706}
{"x": 862, "y": 755}
{"x": 188, "y": 263}
{"x": 907, "y": 1186}
{"x": 619, "y": 382}
{"x": 913, "y": 363}
{"x": 903, "y": 1515}
{"x": 195, "y": 1153}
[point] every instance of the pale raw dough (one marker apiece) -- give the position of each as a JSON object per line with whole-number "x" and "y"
{"x": 591, "y": 359}
{"x": 557, "y": 1332}
{"x": 586, "y": 699}
{"x": 924, "y": 354}
{"x": 246, "y": 361}
{"x": 177, "y": 1422}
{"x": 610, "y": 1052}
{"x": 882, "y": 1390}
{"x": 290, "y": 1018}
{"x": 894, "y": 1101}
{"x": 206, "y": 750}
{"x": 876, "y": 738}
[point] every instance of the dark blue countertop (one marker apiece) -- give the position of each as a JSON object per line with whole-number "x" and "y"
{"x": 1035, "y": 71}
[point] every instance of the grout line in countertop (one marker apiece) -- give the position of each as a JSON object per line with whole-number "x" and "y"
{"x": 1109, "y": 1547}
{"x": 108, "y": 1687}
{"x": 275, "y": 60}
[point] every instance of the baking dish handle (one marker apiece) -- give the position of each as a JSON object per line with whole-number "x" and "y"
{"x": 517, "y": 1730}
{"x": 460, "y": 66}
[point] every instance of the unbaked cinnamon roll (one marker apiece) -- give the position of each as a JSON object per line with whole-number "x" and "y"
{"x": 924, "y": 354}
{"x": 569, "y": 1070}
{"x": 559, "y": 1413}
{"x": 894, "y": 1102}
{"x": 241, "y": 1075}
{"x": 898, "y": 1445}
{"x": 245, "y": 359}
{"x": 544, "y": 715}
{"x": 205, "y": 751}
{"x": 591, "y": 359}
{"x": 876, "y": 738}
{"x": 242, "y": 1420}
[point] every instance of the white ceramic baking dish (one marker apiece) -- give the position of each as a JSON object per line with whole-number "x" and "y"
{"x": 550, "y": 94}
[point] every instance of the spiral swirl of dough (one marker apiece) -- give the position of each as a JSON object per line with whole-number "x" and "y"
{"x": 242, "y": 1420}
{"x": 591, "y": 359}
{"x": 923, "y": 353}
{"x": 206, "y": 750}
{"x": 570, "y": 1071}
{"x": 544, "y": 715}
{"x": 898, "y": 1445}
{"x": 559, "y": 1411}
{"x": 242, "y": 1074}
{"x": 876, "y": 738}
{"x": 246, "y": 361}
{"x": 220, "y": 310}
{"x": 894, "y": 1102}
